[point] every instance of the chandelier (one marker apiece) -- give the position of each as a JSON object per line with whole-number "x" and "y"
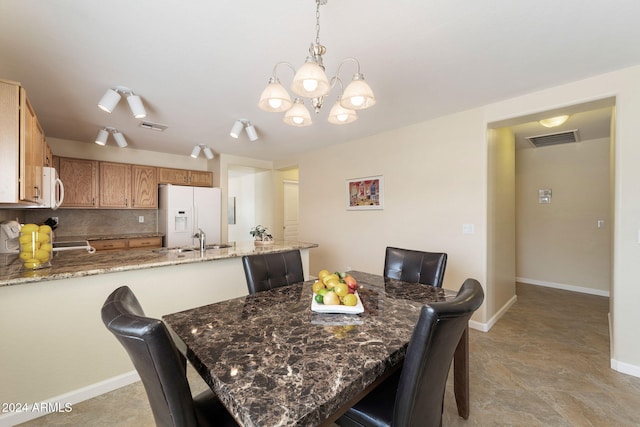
{"x": 310, "y": 82}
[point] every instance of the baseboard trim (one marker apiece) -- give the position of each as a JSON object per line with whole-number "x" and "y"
{"x": 625, "y": 368}
{"x": 563, "y": 286}
{"x": 485, "y": 327}
{"x": 58, "y": 403}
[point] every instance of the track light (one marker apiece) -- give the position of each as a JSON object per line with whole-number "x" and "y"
{"x": 112, "y": 97}
{"x": 103, "y": 135}
{"x": 207, "y": 151}
{"x": 236, "y": 129}
{"x": 251, "y": 132}
{"x": 240, "y": 124}
{"x": 195, "y": 152}
{"x": 101, "y": 139}
{"x": 119, "y": 137}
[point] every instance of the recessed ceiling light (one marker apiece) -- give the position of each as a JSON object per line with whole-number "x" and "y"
{"x": 554, "y": 121}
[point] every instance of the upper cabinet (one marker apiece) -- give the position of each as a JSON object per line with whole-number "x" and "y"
{"x": 21, "y": 147}
{"x": 115, "y": 185}
{"x": 107, "y": 185}
{"x": 185, "y": 177}
{"x": 80, "y": 178}
{"x": 144, "y": 187}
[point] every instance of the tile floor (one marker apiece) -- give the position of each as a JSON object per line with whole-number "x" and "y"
{"x": 545, "y": 363}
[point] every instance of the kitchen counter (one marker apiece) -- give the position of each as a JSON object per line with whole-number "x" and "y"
{"x": 80, "y": 263}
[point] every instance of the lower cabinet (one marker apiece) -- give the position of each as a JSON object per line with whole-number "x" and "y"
{"x": 126, "y": 244}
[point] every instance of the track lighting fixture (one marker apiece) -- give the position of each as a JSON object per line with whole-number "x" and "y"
{"x": 240, "y": 124}
{"x": 311, "y": 83}
{"x": 207, "y": 151}
{"x": 112, "y": 97}
{"x": 103, "y": 135}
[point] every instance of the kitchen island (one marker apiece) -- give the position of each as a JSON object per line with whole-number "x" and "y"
{"x": 54, "y": 347}
{"x": 79, "y": 263}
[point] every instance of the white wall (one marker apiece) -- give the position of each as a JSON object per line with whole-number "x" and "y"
{"x": 434, "y": 182}
{"x": 559, "y": 243}
{"x": 624, "y": 85}
{"x": 501, "y": 228}
{"x": 83, "y": 150}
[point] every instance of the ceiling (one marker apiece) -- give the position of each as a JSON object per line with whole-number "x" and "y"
{"x": 202, "y": 64}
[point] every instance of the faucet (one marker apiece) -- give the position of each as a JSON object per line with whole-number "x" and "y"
{"x": 202, "y": 236}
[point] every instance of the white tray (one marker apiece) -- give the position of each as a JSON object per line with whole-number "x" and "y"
{"x": 344, "y": 309}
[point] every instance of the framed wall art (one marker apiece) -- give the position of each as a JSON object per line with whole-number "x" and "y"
{"x": 365, "y": 193}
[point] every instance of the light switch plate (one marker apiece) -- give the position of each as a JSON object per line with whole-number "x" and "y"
{"x": 468, "y": 229}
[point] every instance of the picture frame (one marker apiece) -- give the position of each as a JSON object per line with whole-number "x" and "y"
{"x": 366, "y": 193}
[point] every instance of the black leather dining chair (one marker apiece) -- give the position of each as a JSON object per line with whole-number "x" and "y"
{"x": 272, "y": 270}
{"x": 160, "y": 365}
{"x": 414, "y": 395}
{"x": 415, "y": 266}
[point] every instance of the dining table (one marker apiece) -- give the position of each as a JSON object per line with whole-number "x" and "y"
{"x": 273, "y": 361}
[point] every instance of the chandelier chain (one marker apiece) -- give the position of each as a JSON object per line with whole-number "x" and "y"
{"x": 317, "y": 21}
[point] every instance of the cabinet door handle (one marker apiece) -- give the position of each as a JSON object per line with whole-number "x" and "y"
{"x": 93, "y": 202}
{"x": 37, "y": 192}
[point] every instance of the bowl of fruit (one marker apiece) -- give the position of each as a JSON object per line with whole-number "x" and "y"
{"x": 336, "y": 293}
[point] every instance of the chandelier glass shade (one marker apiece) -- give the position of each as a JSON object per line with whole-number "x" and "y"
{"x": 310, "y": 83}
{"x": 298, "y": 115}
{"x": 275, "y": 97}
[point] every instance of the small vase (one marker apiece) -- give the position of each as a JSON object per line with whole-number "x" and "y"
{"x": 263, "y": 242}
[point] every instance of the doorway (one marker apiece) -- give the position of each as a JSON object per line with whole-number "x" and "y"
{"x": 506, "y": 242}
{"x": 290, "y": 210}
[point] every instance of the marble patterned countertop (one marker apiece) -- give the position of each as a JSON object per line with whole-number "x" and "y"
{"x": 79, "y": 263}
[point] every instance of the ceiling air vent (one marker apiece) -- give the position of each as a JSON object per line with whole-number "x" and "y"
{"x": 554, "y": 138}
{"x": 153, "y": 126}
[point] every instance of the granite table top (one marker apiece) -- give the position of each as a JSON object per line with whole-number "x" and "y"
{"x": 274, "y": 362}
{"x": 79, "y": 263}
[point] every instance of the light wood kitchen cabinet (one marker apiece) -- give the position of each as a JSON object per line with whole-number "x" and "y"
{"x": 21, "y": 147}
{"x": 145, "y": 242}
{"x": 110, "y": 245}
{"x": 144, "y": 187}
{"x": 31, "y": 152}
{"x": 125, "y": 186}
{"x": 115, "y": 185}
{"x": 201, "y": 179}
{"x": 80, "y": 178}
{"x": 127, "y": 244}
{"x": 48, "y": 156}
{"x": 185, "y": 177}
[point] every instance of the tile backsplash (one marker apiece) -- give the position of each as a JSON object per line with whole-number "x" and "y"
{"x": 96, "y": 222}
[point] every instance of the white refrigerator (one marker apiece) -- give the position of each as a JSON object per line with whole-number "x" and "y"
{"x": 183, "y": 210}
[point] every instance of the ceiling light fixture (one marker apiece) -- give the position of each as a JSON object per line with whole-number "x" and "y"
{"x": 112, "y": 97}
{"x": 310, "y": 81}
{"x": 103, "y": 135}
{"x": 554, "y": 121}
{"x": 207, "y": 151}
{"x": 240, "y": 124}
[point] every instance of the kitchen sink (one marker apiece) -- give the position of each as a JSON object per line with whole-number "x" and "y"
{"x": 219, "y": 246}
{"x": 174, "y": 250}
{"x": 188, "y": 249}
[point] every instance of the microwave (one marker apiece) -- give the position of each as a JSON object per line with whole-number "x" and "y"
{"x": 52, "y": 189}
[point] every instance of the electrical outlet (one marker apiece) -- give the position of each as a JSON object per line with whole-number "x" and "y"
{"x": 140, "y": 219}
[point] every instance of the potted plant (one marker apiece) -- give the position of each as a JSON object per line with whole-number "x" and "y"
{"x": 261, "y": 236}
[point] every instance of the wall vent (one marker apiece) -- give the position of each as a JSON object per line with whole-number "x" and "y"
{"x": 554, "y": 138}
{"x": 153, "y": 126}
